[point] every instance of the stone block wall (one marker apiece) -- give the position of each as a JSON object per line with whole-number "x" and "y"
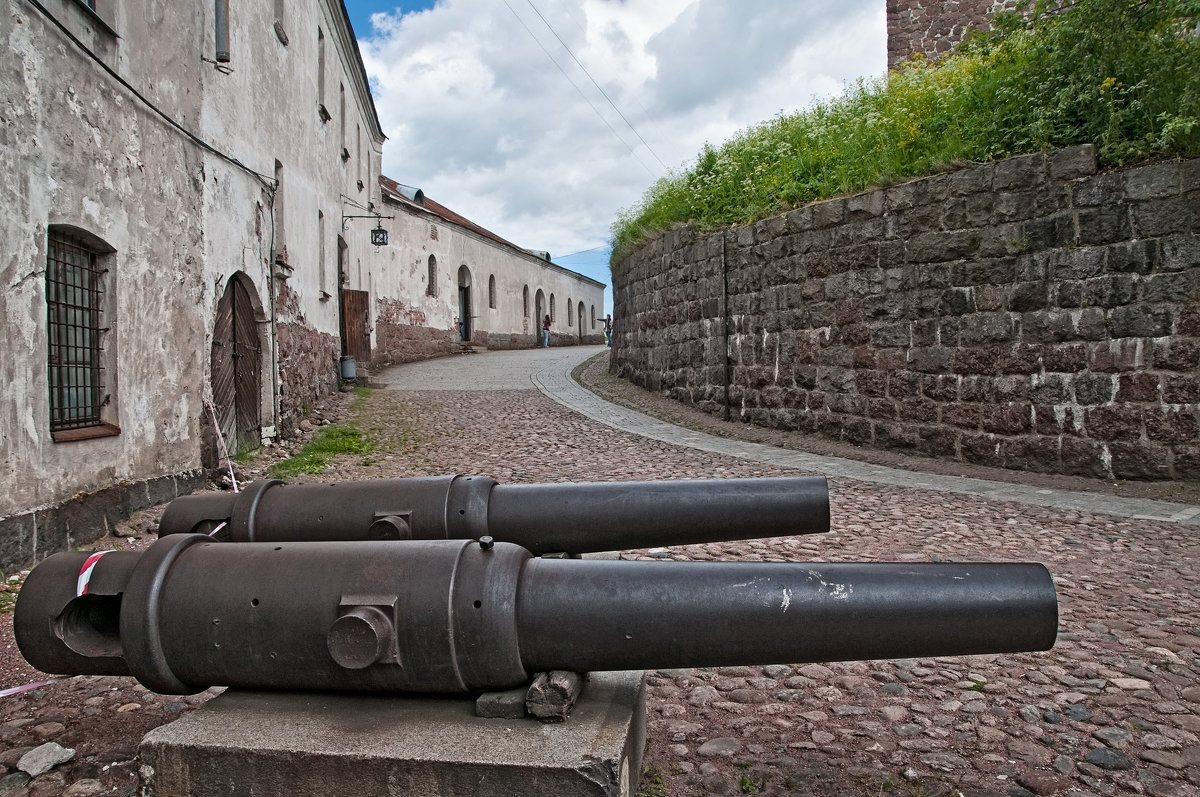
{"x": 933, "y": 27}
{"x": 1029, "y": 313}
{"x": 308, "y": 370}
{"x": 405, "y": 343}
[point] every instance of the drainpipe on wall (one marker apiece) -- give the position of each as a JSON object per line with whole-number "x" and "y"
{"x": 725, "y": 320}
{"x": 221, "y": 34}
{"x": 274, "y": 325}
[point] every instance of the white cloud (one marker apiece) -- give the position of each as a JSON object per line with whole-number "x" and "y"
{"x": 479, "y": 117}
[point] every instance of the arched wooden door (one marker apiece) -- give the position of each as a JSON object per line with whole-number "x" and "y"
{"x": 237, "y": 367}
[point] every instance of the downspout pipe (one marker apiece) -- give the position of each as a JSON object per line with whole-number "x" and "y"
{"x": 725, "y": 318}
{"x": 222, "y": 32}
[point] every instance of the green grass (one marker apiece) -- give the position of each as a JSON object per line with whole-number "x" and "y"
{"x": 1121, "y": 74}
{"x": 315, "y": 456}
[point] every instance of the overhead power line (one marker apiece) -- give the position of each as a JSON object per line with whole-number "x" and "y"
{"x": 592, "y": 105}
{"x": 597, "y": 85}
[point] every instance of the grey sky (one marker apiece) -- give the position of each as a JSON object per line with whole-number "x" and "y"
{"x": 479, "y": 117}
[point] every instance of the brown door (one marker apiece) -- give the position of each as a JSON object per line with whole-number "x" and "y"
{"x": 237, "y": 368}
{"x": 356, "y": 313}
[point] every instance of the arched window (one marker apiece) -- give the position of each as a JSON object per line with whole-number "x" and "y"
{"x": 431, "y": 288}
{"x": 525, "y": 301}
{"x": 593, "y": 316}
{"x": 570, "y": 317}
{"x": 492, "y": 291}
{"x": 552, "y": 308}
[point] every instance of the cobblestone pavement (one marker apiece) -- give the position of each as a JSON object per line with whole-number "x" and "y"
{"x": 1114, "y": 708}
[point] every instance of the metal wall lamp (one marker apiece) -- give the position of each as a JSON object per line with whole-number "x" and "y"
{"x": 379, "y": 236}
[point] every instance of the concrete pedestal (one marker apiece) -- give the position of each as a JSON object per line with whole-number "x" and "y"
{"x": 257, "y": 743}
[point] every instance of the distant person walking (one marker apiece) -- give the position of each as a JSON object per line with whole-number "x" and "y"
{"x": 546, "y": 332}
{"x": 608, "y": 330}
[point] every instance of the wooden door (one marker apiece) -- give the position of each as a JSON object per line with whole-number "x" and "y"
{"x": 356, "y": 316}
{"x": 237, "y": 368}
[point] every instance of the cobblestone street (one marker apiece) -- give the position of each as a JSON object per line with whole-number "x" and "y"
{"x": 1110, "y": 710}
{"x": 1114, "y": 708}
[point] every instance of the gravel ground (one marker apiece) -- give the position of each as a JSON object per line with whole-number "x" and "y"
{"x": 1114, "y": 708}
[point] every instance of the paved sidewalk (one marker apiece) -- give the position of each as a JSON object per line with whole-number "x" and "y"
{"x": 549, "y": 370}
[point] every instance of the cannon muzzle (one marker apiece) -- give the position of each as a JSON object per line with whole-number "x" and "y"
{"x": 542, "y": 518}
{"x": 454, "y": 616}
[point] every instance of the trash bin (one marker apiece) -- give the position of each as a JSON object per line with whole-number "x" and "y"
{"x": 349, "y": 367}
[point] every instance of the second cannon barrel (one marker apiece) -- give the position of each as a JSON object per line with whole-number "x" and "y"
{"x": 542, "y": 518}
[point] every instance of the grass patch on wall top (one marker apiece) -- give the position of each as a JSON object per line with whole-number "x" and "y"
{"x": 1121, "y": 74}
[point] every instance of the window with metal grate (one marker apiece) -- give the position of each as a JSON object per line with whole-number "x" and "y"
{"x": 75, "y": 294}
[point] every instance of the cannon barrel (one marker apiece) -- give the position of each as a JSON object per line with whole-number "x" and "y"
{"x": 542, "y": 518}
{"x": 454, "y": 616}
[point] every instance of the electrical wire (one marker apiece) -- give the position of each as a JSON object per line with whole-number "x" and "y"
{"x": 597, "y": 85}
{"x": 632, "y": 151}
{"x": 583, "y": 252}
{"x": 268, "y": 182}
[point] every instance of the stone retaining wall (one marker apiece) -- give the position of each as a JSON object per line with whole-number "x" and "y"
{"x": 1029, "y": 313}
{"x": 933, "y": 28}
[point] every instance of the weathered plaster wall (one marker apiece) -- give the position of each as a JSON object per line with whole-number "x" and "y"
{"x": 74, "y": 147}
{"x": 411, "y": 324}
{"x": 78, "y": 149}
{"x": 268, "y": 110}
{"x": 1028, "y": 314}
{"x": 933, "y": 27}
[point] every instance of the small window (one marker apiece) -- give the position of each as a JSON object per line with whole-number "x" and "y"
{"x": 552, "y": 308}
{"x": 279, "y": 244}
{"x": 570, "y": 317}
{"x": 342, "y": 119}
{"x": 525, "y": 301}
{"x": 593, "y": 316}
{"x": 321, "y": 111}
{"x": 433, "y": 232}
{"x": 492, "y": 291}
{"x": 431, "y": 288}
{"x": 321, "y": 254}
{"x": 280, "y": 30}
{"x": 77, "y": 330}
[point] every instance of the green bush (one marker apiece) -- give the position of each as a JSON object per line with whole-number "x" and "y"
{"x": 1122, "y": 75}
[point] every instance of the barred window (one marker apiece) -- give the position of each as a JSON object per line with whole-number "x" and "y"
{"x": 431, "y": 288}
{"x": 76, "y": 335}
{"x": 525, "y": 301}
{"x": 492, "y": 291}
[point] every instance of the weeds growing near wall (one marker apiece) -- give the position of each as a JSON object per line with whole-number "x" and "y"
{"x": 316, "y": 454}
{"x": 1121, "y": 74}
